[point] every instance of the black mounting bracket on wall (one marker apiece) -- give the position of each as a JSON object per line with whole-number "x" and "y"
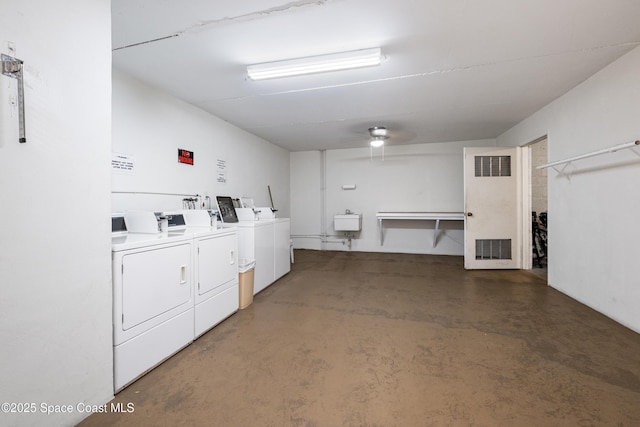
{"x": 12, "y": 67}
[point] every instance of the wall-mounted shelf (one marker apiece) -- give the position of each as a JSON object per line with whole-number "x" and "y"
{"x": 422, "y": 216}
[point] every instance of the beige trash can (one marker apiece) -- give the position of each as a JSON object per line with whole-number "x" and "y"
{"x": 246, "y": 268}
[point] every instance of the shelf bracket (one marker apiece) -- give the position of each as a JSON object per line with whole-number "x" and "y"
{"x": 12, "y": 67}
{"x": 560, "y": 171}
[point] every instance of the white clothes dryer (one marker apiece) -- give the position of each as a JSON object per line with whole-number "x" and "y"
{"x": 215, "y": 270}
{"x": 153, "y": 300}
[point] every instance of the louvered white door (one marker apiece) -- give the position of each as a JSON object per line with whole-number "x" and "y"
{"x": 493, "y": 200}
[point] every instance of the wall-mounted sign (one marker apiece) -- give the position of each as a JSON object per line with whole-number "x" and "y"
{"x": 122, "y": 163}
{"x": 221, "y": 174}
{"x": 185, "y": 156}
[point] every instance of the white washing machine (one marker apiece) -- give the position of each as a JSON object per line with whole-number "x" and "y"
{"x": 282, "y": 247}
{"x": 215, "y": 269}
{"x": 262, "y": 238}
{"x": 256, "y": 240}
{"x": 153, "y": 297}
{"x": 267, "y": 241}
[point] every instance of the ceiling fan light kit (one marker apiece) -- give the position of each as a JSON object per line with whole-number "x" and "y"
{"x": 378, "y": 135}
{"x": 378, "y": 131}
{"x": 316, "y": 64}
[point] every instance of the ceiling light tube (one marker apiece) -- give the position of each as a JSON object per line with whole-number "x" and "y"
{"x": 316, "y": 64}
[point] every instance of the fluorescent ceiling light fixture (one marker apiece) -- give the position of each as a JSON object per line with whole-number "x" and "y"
{"x": 316, "y": 64}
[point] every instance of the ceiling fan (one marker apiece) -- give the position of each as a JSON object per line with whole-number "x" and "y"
{"x": 378, "y": 135}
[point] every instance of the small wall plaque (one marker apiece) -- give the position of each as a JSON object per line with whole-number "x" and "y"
{"x": 185, "y": 156}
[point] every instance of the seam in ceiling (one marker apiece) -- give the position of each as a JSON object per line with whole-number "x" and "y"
{"x": 206, "y": 25}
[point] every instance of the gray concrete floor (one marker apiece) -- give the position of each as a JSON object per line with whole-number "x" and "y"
{"x": 540, "y": 272}
{"x": 370, "y": 339}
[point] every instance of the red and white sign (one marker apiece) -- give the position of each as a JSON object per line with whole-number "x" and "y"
{"x": 185, "y": 156}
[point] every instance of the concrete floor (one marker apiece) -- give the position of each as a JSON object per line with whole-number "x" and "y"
{"x": 369, "y": 339}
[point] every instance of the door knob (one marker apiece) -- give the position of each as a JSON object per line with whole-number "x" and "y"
{"x": 469, "y": 214}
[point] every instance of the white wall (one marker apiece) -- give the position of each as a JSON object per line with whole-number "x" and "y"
{"x": 151, "y": 125}
{"x": 55, "y": 269}
{"x": 593, "y": 215}
{"x": 419, "y": 177}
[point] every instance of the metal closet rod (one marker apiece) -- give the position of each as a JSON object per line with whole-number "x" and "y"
{"x": 155, "y": 194}
{"x": 592, "y": 154}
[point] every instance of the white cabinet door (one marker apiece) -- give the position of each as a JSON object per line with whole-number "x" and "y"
{"x": 217, "y": 262}
{"x": 155, "y": 282}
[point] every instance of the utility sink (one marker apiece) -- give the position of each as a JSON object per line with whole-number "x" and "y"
{"x": 347, "y": 222}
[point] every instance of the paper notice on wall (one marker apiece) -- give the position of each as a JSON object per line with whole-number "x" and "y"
{"x": 221, "y": 174}
{"x": 122, "y": 163}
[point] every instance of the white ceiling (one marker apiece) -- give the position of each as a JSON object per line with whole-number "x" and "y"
{"x": 454, "y": 69}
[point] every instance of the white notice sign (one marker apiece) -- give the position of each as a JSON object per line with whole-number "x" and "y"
{"x": 221, "y": 176}
{"x": 122, "y": 163}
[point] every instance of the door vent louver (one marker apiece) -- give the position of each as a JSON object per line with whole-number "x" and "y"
{"x": 493, "y": 165}
{"x": 493, "y": 249}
